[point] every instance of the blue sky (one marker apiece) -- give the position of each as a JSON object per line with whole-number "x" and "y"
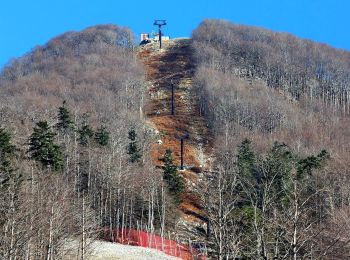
{"x": 25, "y": 24}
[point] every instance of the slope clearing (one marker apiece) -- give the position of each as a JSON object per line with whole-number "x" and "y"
{"x": 174, "y": 65}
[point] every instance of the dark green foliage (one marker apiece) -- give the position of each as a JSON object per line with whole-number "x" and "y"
{"x": 43, "y": 148}
{"x": 306, "y": 165}
{"x": 270, "y": 183}
{"x": 281, "y": 153}
{"x": 102, "y": 136}
{"x": 245, "y": 158}
{"x": 174, "y": 181}
{"x": 133, "y": 149}
{"x": 246, "y": 163}
{"x": 272, "y": 172}
{"x": 65, "y": 123}
{"x": 85, "y": 132}
{"x": 277, "y": 169}
{"x": 7, "y": 154}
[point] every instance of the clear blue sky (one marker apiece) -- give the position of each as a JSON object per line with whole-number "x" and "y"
{"x": 25, "y": 24}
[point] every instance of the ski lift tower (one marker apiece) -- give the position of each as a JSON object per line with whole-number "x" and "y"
{"x": 160, "y": 23}
{"x": 182, "y": 138}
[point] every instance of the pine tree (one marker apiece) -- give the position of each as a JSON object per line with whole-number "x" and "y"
{"x": 65, "y": 123}
{"x": 7, "y": 155}
{"x": 42, "y": 147}
{"x": 246, "y": 164}
{"x": 102, "y": 136}
{"x": 174, "y": 181}
{"x": 85, "y": 131}
{"x": 276, "y": 169}
{"x": 133, "y": 150}
{"x": 306, "y": 165}
{"x": 245, "y": 159}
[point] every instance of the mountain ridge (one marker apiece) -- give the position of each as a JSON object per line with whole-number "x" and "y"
{"x": 259, "y": 107}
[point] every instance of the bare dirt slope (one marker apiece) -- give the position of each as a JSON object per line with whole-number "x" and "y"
{"x": 174, "y": 65}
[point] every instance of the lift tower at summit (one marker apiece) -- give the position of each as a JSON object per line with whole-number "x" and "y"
{"x": 160, "y": 23}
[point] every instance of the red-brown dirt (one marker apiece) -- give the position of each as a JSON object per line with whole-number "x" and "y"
{"x": 174, "y": 64}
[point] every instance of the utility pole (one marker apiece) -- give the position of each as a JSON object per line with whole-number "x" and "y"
{"x": 172, "y": 100}
{"x": 160, "y": 23}
{"x": 182, "y": 143}
{"x": 182, "y": 154}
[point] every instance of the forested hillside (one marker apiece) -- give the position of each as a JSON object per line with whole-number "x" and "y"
{"x": 278, "y": 106}
{"x": 302, "y": 68}
{"x": 90, "y": 149}
{"x": 74, "y": 146}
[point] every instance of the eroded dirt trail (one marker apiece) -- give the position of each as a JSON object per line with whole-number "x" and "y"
{"x": 174, "y": 64}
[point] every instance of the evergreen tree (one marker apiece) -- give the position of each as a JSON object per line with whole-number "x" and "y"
{"x": 245, "y": 159}
{"x": 174, "y": 181}
{"x": 102, "y": 136}
{"x": 133, "y": 150}
{"x": 65, "y": 123}
{"x": 85, "y": 131}
{"x": 43, "y": 148}
{"x": 306, "y": 165}
{"x": 246, "y": 164}
{"x": 7, "y": 154}
{"x": 276, "y": 169}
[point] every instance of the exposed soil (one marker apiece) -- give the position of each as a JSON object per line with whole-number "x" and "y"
{"x": 175, "y": 65}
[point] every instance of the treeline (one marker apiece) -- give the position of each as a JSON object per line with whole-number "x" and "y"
{"x": 273, "y": 191}
{"x": 69, "y": 170}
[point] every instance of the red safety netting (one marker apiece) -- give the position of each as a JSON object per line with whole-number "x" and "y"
{"x": 141, "y": 238}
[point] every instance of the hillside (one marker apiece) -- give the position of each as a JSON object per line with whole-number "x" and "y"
{"x": 90, "y": 70}
{"x": 90, "y": 150}
{"x": 174, "y": 65}
{"x": 283, "y": 102}
{"x": 301, "y": 68}
{"x": 67, "y": 111}
{"x": 241, "y": 70}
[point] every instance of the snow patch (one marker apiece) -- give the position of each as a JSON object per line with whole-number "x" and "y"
{"x": 102, "y": 250}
